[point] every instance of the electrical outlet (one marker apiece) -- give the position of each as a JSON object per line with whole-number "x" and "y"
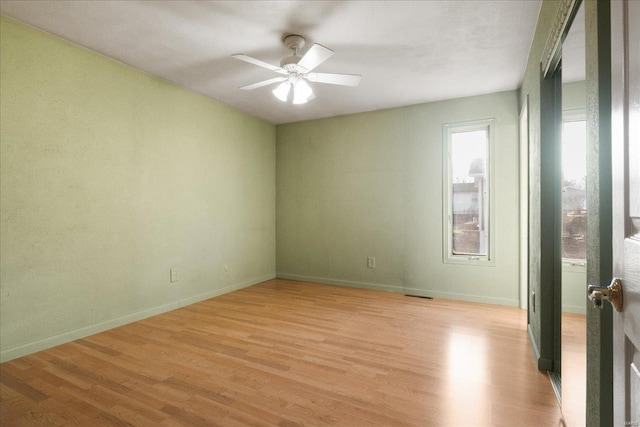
{"x": 173, "y": 275}
{"x": 371, "y": 262}
{"x": 533, "y": 301}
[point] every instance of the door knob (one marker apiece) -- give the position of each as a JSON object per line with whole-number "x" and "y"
{"x": 612, "y": 293}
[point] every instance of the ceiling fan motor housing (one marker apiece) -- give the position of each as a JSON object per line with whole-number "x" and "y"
{"x": 290, "y": 63}
{"x": 294, "y": 42}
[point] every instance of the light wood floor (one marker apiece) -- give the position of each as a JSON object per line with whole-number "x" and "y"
{"x": 574, "y": 369}
{"x": 286, "y": 353}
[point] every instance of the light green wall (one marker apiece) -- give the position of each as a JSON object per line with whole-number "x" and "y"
{"x": 109, "y": 178}
{"x": 370, "y": 184}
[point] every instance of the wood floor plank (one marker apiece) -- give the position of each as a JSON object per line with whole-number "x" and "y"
{"x": 287, "y": 354}
{"x": 22, "y": 387}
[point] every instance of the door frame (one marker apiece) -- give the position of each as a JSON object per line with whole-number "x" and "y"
{"x": 524, "y": 206}
{"x": 599, "y": 208}
{"x": 599, "y": 201}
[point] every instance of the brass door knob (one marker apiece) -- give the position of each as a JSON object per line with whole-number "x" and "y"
{"x": 612, "y": 293}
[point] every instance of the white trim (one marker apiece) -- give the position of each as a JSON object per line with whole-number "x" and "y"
{"x": 447, "y": 198}
{"x": 574, "y": 309}
{"x": 512, "y": 302}
{"x": 574, "y": 265}
{"x": 351, "y": 284}
{"x": 570, "y": 116}
{"x": 551, "y": 52}
{"x": 69, "y": 336}
{"x": 574, "y": 115}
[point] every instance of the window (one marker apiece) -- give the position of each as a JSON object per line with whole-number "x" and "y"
{"x": 574, "y": 187}
{"x": 467, "y": 192}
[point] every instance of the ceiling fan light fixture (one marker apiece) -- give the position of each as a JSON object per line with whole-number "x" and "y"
{"x": 282, "y": 91}
{"x": 302, "y": 92}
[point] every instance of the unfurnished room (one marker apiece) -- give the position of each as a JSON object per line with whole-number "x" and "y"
{"x": 320, "y": 213}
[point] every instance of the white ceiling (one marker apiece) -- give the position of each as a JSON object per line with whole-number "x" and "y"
{"x": 408, "y": 52}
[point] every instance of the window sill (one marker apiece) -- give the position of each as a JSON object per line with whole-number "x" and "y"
{"x": 576, "y": 265}
{"x": 480, "y": 261}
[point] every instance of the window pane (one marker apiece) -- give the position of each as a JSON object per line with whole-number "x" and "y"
{"x": 574, "y": 190}
{"x": 469, "y": 193}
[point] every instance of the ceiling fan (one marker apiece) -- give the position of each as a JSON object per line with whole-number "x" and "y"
{"x": 296, "y": 70}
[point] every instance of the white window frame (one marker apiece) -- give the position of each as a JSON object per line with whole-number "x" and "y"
{"x": 574, "y": 115}
{"x": 448, "y": 130}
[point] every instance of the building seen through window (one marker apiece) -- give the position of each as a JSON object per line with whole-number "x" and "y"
{"x": 469, "y": 193}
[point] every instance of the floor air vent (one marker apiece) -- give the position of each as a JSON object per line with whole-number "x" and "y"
{"x": 417, "y": 296}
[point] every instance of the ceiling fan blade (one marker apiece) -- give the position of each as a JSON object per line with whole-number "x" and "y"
{"x": 264, "y": 83}
{"x": 259, "y": 63}
{"x": 335, "y": 79}
{"x": 315, "y": 56}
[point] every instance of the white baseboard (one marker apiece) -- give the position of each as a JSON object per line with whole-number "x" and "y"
{"x": 575, "y": 309}
{"x": 351, "y": 284}
{"x": 411, "y": 291}
{"x": 69, "y": 336}
{"x": 515, "y": 302}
